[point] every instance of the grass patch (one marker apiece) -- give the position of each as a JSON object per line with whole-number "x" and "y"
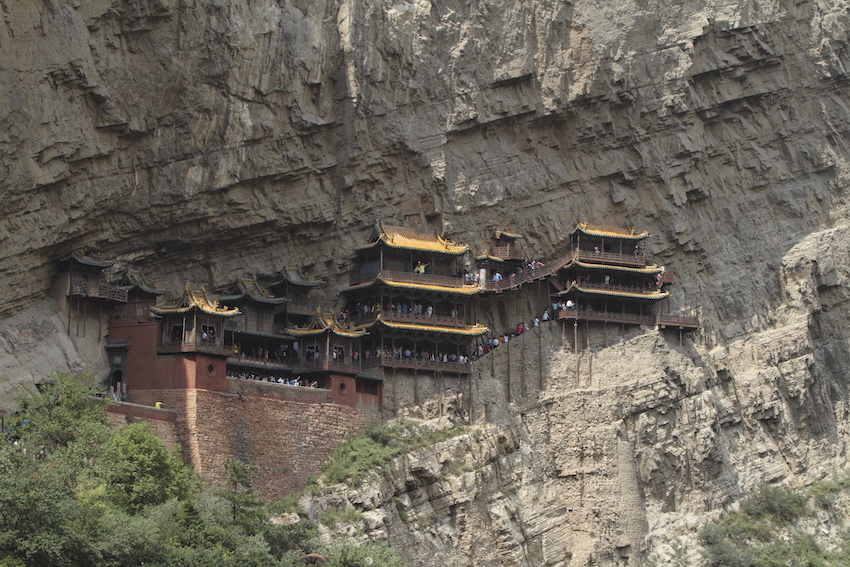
{"x": 378, "y": 446}
{"x": 334, "y": 516}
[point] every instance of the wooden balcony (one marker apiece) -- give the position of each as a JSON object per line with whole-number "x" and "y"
{"x": 99, "y": 291}
{"x": 684, "y": 322}
{"x": 508, "y": 252}
{"x": 258, "y": 362}
{"x": 418, "y": 365}
{"x": 201, "y": 347}
{"x": 677, "y": 320}
{"x": 300, "y": 306}
{"x": 606, "y": 316}
{"x": 319, "y": 364}
{"x": 411, "y": 278}
{"x": 412, "y": 318}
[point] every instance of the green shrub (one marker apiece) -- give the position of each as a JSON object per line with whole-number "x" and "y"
{"x": 377, "y": 446}
{"x": 781, "y": 505}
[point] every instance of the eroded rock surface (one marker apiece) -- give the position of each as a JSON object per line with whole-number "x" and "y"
{"x": 196, "y": 139}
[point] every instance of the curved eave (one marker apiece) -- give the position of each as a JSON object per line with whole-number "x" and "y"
{"x": 488, "y": 258}
{"x": 465, "y": 290}
{"x": 425, "y": 248}
{"x": 473, "y": 331}
{"x": 263, "y": 300}
{"x": 609, "y": 233}
{"x": 86, "y": 261}
{"x": 295, "y": 281}
{"x": 650, "y": 296}
{"x": 318, "y": 332}
{"x": 179, "y": 310}
{"x": 142, "y": 288}
{"x": 649, "y": 270}
{"x": 513, "y": 235}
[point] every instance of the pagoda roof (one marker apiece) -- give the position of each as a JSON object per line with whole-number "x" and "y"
{"x": 500, "y": 233}
{"x": 194, "y": 299}
{"x": 247, "y": 288}
{"x": 322, "y": 323}
{"x": 488, "y": 258}
{"x": 296, "y": 277}
{"x": 402, "y": 237}
{"x": 464, "y": 289}
{"x": 135, "y": 279}
{"x": 85, "y": 260}
{"x": 648, "y": 270}
{"x": 652, "y": 295}
{"x": 468, "y": 331}
{"x": 592, "y": 230}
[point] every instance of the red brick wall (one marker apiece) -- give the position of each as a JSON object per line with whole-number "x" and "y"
{"x": 163, "y": 423}
{"x": 287, "y": 440}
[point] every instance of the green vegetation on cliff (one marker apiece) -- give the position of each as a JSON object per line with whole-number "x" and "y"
{"x": 74, "y": 492}
{"x": 778, "y": 527}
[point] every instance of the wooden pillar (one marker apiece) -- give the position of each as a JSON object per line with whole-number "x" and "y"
{"x": 575, "y": 344}
{"x": 508, "y": 345}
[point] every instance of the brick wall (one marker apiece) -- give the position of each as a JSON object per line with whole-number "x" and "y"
{"x": 287, "y": 440}
{"x": 163, "y": 423}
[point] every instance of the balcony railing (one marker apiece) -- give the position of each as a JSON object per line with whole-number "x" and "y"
{"x": 668, "y": 320}
{"x": 99, "y": 291}
{"x": 411, "y": 318}
{"x": 333, "y": 365}
{"x": 508, "y": 252}
{"x": 606, "y": 316}
{"x": 300, "y": 306}
{"x": 677, "y": 320}
{"x": 417, "y": 364}
{"x": 259, "y": 362}
{"x": 410, "y": 277}
{"x": 205, "y": 347}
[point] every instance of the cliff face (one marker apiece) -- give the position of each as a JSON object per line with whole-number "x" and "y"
{"x": 199, "y": 138}
{"x": 643, "y": 444}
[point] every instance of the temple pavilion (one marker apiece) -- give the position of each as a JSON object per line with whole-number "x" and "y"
{"x": 504, "y": 255}
{"x": 607, "y": 277}
{"x": 410, "y": 292}
{"x": 295, "y": 286}
{"x": 257, "y": 338}
{"x": 329, "y": 355}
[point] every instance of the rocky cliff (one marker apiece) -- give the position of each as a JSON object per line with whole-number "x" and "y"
{"x": 199, "y": 138}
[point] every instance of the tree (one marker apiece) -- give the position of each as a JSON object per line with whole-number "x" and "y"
{"x": 139, "y": 470}
{"x": 246, "y": 507}
{"x": 59, "y": 413}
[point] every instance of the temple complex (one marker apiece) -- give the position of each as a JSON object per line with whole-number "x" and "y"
{"x": 410, "y": 292}
{"x": 409, "y": 330}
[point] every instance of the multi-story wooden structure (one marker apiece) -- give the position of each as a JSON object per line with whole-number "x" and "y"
{"x": 257, "y": 338}
{"x": 83, "y": 290}
{"x": 607, "y": 277}
{"x": 295, "y": 287}
{"x": 504, "y": 256}
{"x": 409, "y": 291}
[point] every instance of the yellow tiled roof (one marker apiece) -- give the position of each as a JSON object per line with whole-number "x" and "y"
{"x": 462, "y": 290}
{"x": 322, "y": 323}
{"x": 653, "y": 269}
{"x": 469, "y": 330}
{"x": 404, "y": 237}
{"x": 653, "y": 294}
{"x": 195, "y": 299}
{"x": 592, "y": 230}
